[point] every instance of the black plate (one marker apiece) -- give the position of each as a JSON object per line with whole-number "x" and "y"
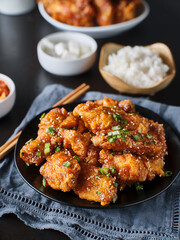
{"x": 129, "y": 196}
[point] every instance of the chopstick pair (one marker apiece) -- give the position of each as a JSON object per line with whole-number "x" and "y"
{"x": 72, "y": 96}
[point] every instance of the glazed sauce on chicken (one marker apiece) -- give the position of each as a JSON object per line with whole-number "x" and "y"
{"x": 4, "y": 90}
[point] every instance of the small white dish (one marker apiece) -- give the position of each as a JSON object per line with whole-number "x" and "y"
{"x": 99, "y": 32}
{"x": 66, "y": 67}
{"x": 7, "y": 103}
{"x": 16, "y": 7}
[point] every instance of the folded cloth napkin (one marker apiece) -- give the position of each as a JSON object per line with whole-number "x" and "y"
{"x": 158, "y": 218}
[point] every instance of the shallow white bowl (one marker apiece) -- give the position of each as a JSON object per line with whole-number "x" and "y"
{"x": 99, "y": 32}
{"x": 67, "y": 67}
{"x": 7, "y": 104}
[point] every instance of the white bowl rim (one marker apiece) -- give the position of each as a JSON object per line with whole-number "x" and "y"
{"x": 54, "y": 58}
{"x": 10, "y": 84}
{"x": 94, "y": 29}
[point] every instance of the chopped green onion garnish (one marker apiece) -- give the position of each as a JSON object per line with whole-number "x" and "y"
{"x": 74, "y": 128}
{"x": 27, "y": 164}
{"x": 98, "y": 192}
{"x": 47, "y": 148}
{"x": 113, "y": 153}
{"x": 138, "y": 186}
{"x": 42, "y": 116}
{"x": 118, "y": 127}
{"x": 112, "y": 139}
{"x": 108, "y": 175}
{"x": 57, "y": 148}
{"x": 97, "y": 176}
{"x": 114, "y": 199}
{"x": 22, "y": 153}
{"x": 76, "y": 157}
{"x": 140, "y": 131}
{"x": 38, "y": 154}
{"x": 117, "y": 117}
{"x": 44, "y": 182}
{"x": 114, "y": 133}
{"x": 168, "y": 173}
{"x": 149, "y": 136}
{"x": 50, "y": 130}
{"x": 115, "y": 184}
{"x": 67, "y": 164}
{"x": 136, "y": 137}
{"x": 104, "y": 170}
{"x": 123, "y": 138}
{"x": 30, "y": 140}
{"x": 112, "y": 169}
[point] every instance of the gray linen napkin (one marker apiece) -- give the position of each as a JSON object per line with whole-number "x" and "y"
{"x": 158, "y": 218}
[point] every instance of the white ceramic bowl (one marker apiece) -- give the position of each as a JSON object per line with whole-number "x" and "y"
{"x": 99, "y": 31}
{"x": 7, "y": 104}
{"x": 67, "y": 67}
{"x": 16, "y": 7}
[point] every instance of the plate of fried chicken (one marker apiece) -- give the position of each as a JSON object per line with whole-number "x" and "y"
{"x": 103, "y": 153}
{"x": 98, "y": 18}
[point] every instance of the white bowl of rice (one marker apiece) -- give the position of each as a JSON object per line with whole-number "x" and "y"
{"x": 137, "y": 69}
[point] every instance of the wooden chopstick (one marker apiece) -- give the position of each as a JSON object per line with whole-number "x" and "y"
{"x": 76, "y": 93}
{"x": 73, "y": 95}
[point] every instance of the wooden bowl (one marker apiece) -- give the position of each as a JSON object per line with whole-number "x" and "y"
{"x": 116, "y": 83}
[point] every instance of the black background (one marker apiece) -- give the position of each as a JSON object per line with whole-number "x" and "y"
{"x": 19, "y": 36}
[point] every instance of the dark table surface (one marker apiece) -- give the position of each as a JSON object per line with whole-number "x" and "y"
{"x": 19, "y": 36}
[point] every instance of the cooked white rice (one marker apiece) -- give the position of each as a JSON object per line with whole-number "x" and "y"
{"x": 138, "y": 66}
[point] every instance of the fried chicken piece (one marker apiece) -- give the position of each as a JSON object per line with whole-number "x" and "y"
{"x": 77, "y": 141}
{"x": 92, "y": 155}
{"x": 73, "y": 122}
{"x": 155, "y": 167}
{"x": 95, "y": 187}
{"x": 104, "y": 12}
{"x": 126, "y": 10}
{"x": 94, "y": 116}
{"x": 149, "y": 145}
{"x": 116, "y": 129}
{"x": 34, "y": 152}
{"x": 130, "y": 168}
{"x": 72, "y": 12}
{"x": 61, "y": 171}
{"x": 125, "y": 105}
{"x": 88, "y": 13}
{"x": 50, "y": 124}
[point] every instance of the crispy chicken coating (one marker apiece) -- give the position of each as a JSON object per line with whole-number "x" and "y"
{"x": 89, "y": 13}
{"x": 104, "y": 12}
{"x": 72, "y": 12}
{"x": 126, "y": 10}
{"x": 35, "y": 151}
{"x": 130, "y": 168}
{"x": 77, "y": 141}
{"x": 93, "y": 186}
{"x": 125, "y": 105}
{"x": 92, "y": 155}
{"x": 117, "y": 130}
{"x": 50, "y": 124}
{"x": 74, "y": 123}
{"x": 61, "y": 171}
